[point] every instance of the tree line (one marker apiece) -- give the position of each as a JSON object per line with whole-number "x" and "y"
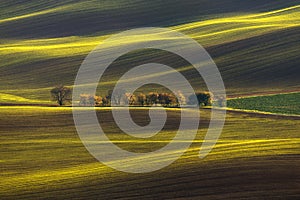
{"x": 63, "y": 95}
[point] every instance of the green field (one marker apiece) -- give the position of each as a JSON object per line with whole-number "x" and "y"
{"x": 42, "y": 157}
{"x": 280, "y": 103}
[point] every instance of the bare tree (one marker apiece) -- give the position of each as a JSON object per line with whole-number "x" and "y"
{"x": 61, "y": 94}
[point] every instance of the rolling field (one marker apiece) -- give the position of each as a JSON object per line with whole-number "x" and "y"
{"x": 255, "y": 45}
{"x": 42, "y": 157}
{"x": 279, "y": 103}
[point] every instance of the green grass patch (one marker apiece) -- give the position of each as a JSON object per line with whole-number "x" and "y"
{"x": 280, "y": 103}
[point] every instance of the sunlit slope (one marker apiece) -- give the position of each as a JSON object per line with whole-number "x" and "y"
{"x": 8, "y": 98}
{"x": 31, "y": 19}
{"x": 229, "y": 29}
{"x": 250, "y": 50}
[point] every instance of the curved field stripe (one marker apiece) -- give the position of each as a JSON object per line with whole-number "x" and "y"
{"x": 225, "y": 150}
{"x": 34, "y": 14}
{"x": 70, "y": 46}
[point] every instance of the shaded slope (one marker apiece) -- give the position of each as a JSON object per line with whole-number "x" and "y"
{"x": 262, "y": 62}
{"x": 31, "y": 19}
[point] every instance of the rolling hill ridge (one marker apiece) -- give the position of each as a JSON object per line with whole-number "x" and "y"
{"x": 250, "y": 48}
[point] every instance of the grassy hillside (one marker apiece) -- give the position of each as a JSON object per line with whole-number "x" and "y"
{"x": 254, "y": 51}
{"x": 42, "y": 157}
